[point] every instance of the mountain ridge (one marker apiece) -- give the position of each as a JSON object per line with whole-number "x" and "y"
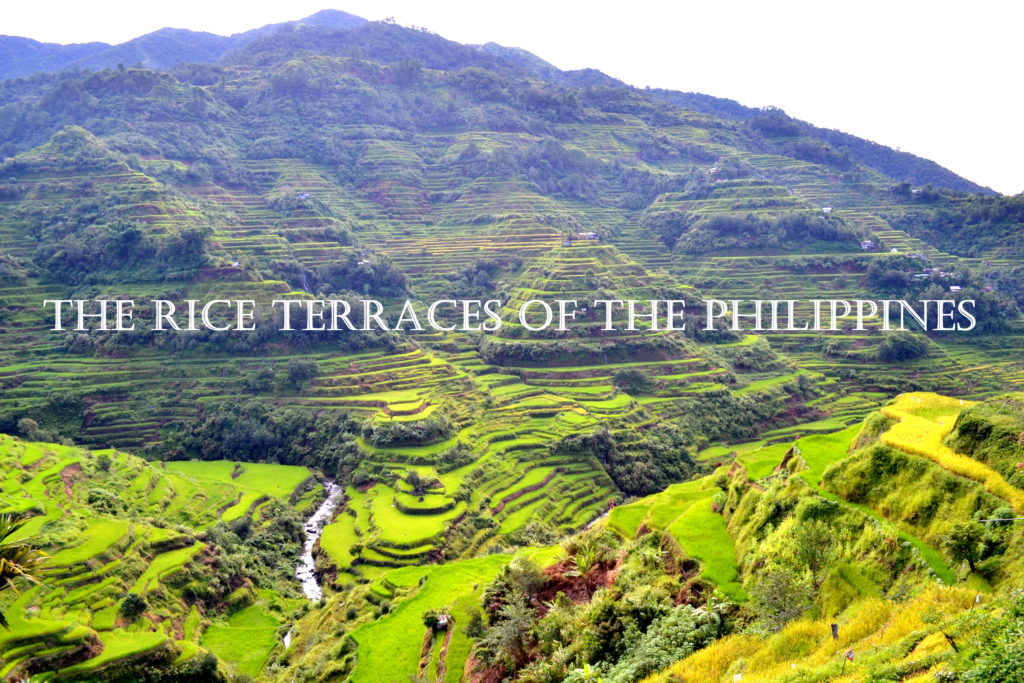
{"x": 167, "y": 47}
{"x": 150, "y": 49}
{"x": 722, "y": 478}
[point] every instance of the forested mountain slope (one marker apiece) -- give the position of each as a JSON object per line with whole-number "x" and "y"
{"x": 341, "y": 159}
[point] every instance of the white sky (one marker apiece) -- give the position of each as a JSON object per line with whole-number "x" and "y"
{"x": 939, "y": 79}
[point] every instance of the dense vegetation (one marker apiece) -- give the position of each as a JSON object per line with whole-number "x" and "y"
{"x": 539, "y": 506}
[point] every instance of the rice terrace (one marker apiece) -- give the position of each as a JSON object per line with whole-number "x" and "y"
{"x": 605, "y": 502}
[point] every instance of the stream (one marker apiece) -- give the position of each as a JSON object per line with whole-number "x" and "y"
{"x": 306, "y": 569}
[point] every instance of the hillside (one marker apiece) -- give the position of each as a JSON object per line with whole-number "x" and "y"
{"x": 598, "y": 490}
{"x": 167, "y": 47}
{"x": 179, "y": 541}
{"x": 847, "y": 528}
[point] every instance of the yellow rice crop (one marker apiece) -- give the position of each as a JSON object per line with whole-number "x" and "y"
{"x": 806, "y": 645}
{"x": 923, "y": 436}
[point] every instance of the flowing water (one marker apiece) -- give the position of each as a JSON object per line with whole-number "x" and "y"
{"x": 306, "y": 571}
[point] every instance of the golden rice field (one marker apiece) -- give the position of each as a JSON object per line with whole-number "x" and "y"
{"x": 923, "y": 421}
{"x": 805, "y": 649}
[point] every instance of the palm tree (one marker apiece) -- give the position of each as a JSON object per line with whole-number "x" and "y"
{"x": 17, "y": 558}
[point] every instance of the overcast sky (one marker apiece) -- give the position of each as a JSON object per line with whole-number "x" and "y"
{"x": 939, "y": 79}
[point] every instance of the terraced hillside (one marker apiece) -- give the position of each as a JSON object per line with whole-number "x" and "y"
{"x": 371, "y": 161}
{"x": 118, "y": 526}
{"x": 877, "y": 502}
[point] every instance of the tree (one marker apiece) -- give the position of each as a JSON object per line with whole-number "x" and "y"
{"x": 633, "y": 381}
{"x": 18, "y": 559}
{"x": 28, "y": 428}
{"x": 263, "y": 381}
{"x": 300, "y": 371}
{"x": 780, "y": 594}
{"x": 475, "y": 627}
{"x": 815, "y": 544}
{"x": 132, "y": 606}
{"x": 506, "y": 641}
{"x": 418, "y": 484}
{"x": 901, "y": 346}
{"x": 964, "y": 542}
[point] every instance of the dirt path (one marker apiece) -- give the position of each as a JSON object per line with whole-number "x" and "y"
{"x": 442, "y": 659}
{"x": 68, "y": 476}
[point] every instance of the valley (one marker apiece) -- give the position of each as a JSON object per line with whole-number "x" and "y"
{"x": 376, "y": 501}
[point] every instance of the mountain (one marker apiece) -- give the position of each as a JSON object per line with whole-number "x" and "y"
{"x": 893, "y": 163}
{"x": 167, "y": 47}
{"x": 615, "y": 495}
{"x": 160, "y": 49}
{"x": 24, "y": 56}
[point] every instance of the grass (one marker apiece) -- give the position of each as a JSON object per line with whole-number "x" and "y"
{"x": 246, "y": 641}
{"x": 804, "y": 649}
{"x": 398, "y": 527}
{"x": 97, "y": 538}
{"x": 626, "y": 519}
{"x": 338, "y": 537}
{"x": 123, "y": 402}
{"x": 821, "y": 450}
{"x": 118, "y": 645}
{"x": 703, "y": 535}
{"x": 521, "y": 515}
{"x": 389, "y": 647}
{"x": 279, "y": 481}
{"x": 923, "y": 421}
{"x": 163, "y": 566}
{"x": 685, "y": 511}
{"x": 761, "y": 462}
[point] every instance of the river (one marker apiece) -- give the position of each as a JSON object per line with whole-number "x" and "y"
{"x": 306, "y": 570}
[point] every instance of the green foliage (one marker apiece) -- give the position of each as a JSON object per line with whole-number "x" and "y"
{"x": 376, "y": 275}
{"x": 282, "y": 167}
{"x": 720, "y": 414}
{"x": 252, "y": 431}
{"x": 780, "y": 594}
{"x": 57, "y": 418}
{"x": 431, "y": 619}
{"x": 508, "y": 637}
{"x": 20, "y": 561}
{"x": 119, "y": 246}
{"x": 103, "y": 462}
{"x": 633, "y": 381}
{"x": 475, "y": 628}
{"x": 521, "y": 578}
{"x": 964, "y": 543}
{"x": 301, "y": 371}
{"x": 670, "y": 638}
{"x": 991, "y": 431}
{"x": 966, "y": 226}
{"x": 397, "y": 433}
{"x": 132, "y": 606}
{"x": 664, "y": 456}
{"x": 695, "y": 233}
{"x": 245, "y": 555}
{"x": 998, "y": 659}
{"x": 901, "y": 346}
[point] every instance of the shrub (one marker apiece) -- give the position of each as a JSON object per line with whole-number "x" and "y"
{"x": 132, "y": 606}
{"x": 902, "y": 346}
{"x": 301, "y": 371}
{"x": 780, "y": 594}
{"x": 633, "y": 381}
